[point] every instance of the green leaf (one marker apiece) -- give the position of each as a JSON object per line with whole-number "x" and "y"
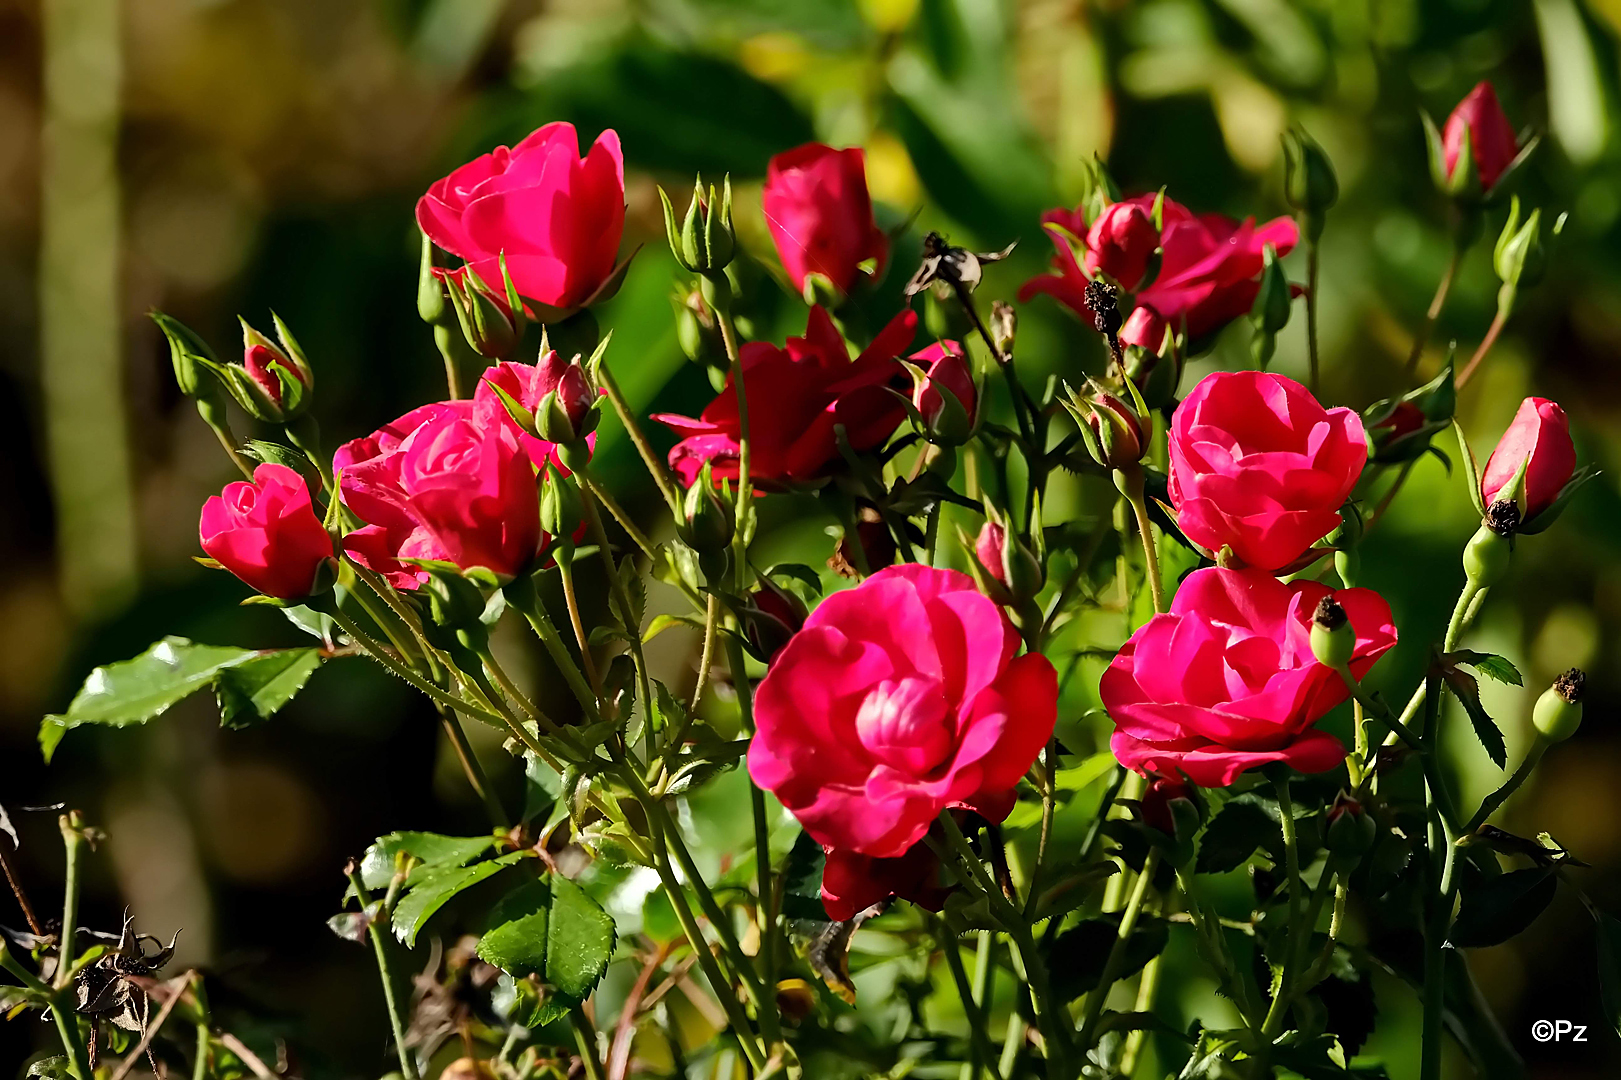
{"x": 1499, "y": 908}
{"x": 802, "y": 881}
{"x": 1079, "y": 954}
{"x": 1232, "y": 836}
{"x": 579, "y": 941}
{"x": 255, "y": 689}
{"x": 1467, "y": 690}
{"x": 542, "y": 786}
{"x": 433, "y": 849}
{"x": 134, "y": 691}
{"x": 1490, "y": 665}
{"x": 314, "y": 623}
{"x": 1609, "y": 967}
{"x": 516, "y": 940}
{"x": 433, "y": 887}
{"x": 277, "y": 454}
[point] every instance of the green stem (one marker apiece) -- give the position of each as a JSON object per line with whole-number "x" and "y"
{"x": 1459, "y": 618}
{"x": 1291, "y": 856}
{"x": 571, "y": 600}
{"x": 227, "y": 439}
{"x": 384, "y": 657}
{"x": 585, "y": 1037}
{"x": 762, "y": 833}
{"x": 1436, "y": 304}
{"x": 1049, "y": 795}
{"x": 534, "y": 611}
{"x": 1093, "y": 1010}
{"x": 1130, "y": 483}
{"x": 476, "y": 777}
{"x": 1372, "y": 706}
{"x": 705, "y": 658}
{"x": 627, "y": 611}
{"x": 1486, "y": 344}
{"x": 1510, "y": 786}
{"x": 396, "y": 1015}
{"x": 979, "y": 1044}
{"x": 1311, "y": 312}
{"x": 1147, "y": 990}
{"x": 656, "y": 466}
{"x": 72, "y": 825}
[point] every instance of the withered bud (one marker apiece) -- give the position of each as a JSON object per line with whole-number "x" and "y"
{"x": 1572, "y": 685}
{"x": 1503, "y": 517}
{"x": 1103, "y": 301}
{"x": 1329, "y": 614}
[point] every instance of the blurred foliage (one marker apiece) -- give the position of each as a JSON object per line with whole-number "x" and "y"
{"x": 271, "y": 153}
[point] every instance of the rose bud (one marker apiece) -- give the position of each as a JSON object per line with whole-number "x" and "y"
{"x": 558, "y": 217}
{"x": 1121, "y": 243}
{"x": 1014, "y": 571}
{"x": 1538, "y": 443}
{"x": 274, "y": 371}
{"x": 1258, "y": 465}
{"x": 1478, "y": 144}
{"x": 564, "y": 416}
{"x": 266, "y": 533}
{"x": 527, "y": 386}
{"x": 704, "y": 242}
{"x": 1351, "y": 830}
{"x": 1400, "y": 429}
{"x": 820, "y": 216}
{"x": 772, "y": 617}
{"x": 852, "y": 882}
{"x": 944, "y": 394}
{"x": 1558, "y": 712}
{"x": 493, "y": 325}
{"x": 1156, "y": 803}
{"x": 1112, "y": 429}
{"x": 1309, "y": 182}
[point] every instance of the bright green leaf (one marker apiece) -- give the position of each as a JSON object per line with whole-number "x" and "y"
{"x": 255, "y": 689}
{"x": 435, "y": 852}
{"x": 579, "y": 941}
{"x": 435, "y": 888}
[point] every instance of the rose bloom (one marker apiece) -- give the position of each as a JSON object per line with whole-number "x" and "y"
{"x": 1209, "y": 270}
{"x": 266, "y": 532}
{"x": 797, "y": 395}
{"x": 436, "y": 484}
{"x": 1258, "y": 465}
{"x": 1492, "y": 142}
{"x": 820, "y": 214}
{"x": 1226, "y": 680}
{"x": 557, "y": 216}
{"x": 528, "y": 385}
{"x": 1540, "y": 432}
{"x": 852, "y": 883}
{"x": 900, "y": 698}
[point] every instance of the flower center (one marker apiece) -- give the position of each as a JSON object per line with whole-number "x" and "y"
{"x": 903, "y": 723}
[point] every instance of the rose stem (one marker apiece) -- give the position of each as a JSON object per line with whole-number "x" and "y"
{"x": 379, "y": 944}
{"x": 1437, "y": 302}
{"x": 1093, "y": 1010}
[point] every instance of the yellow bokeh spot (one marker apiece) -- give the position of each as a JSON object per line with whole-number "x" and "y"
{"x": 774, "y": 57}
{"x": 890, "y": 176}
{"x": 888, "y": 16}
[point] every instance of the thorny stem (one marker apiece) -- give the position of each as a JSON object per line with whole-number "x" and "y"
{"x": 1509, "y": 787}
{"x": 17, "y": 891}
{"x": 1095, "y": 1001}
{"x": 656, "y": 466}
{"x": 375, "y": 927}
{"x": 1049, "y": 794}
{"x": 707, "y": 656}
{"x": 541, "y": 623}
{"x": 762, "y": 831}
{"x": 222, "y": 432}
{"x": 585, "y": 1037}
{"x": 728, "y": 335}
{"x": 627, "y": 610}
{"x": 1130, "y": 483}
{"x": 1291, "y": 856}
{"x": 565, "y": 570}
{"x": 476, "y": 776}
{"x": 979, "y": 1045}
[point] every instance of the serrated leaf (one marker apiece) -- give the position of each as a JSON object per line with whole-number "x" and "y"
{"x": 1232, "y": 836}
{"x": 137, "y": 690}
{"x": 516, "y": 939}
{"x": 1490, "y": 665}
{"x": 431, "y": 889}
{"x": 1078, "y": 954}
{"x": 312, "y": 622}
{"x": 276, "y": 454}
{"x": 433, "y": 849}
{"x": 1499, "y": 908}
{"x": 1467, "y": 690}
{"x": 256, "y": 689}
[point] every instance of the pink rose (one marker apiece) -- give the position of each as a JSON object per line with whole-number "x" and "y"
{"x": 557, "y": 216}
{"x": 820, "y": 215}
{"x": 528, "y": 385}
{"x": 435, "y": 484}
{"x": 989, "y": 548}
{"x": 797, "y": 395}
{"x": 852, "y": 883}
{"x": 266, "y": 532}
{"x": 1226, "y": 680}
{"x": 1209, "y": 270}
{"x": 944, "y": 365}
{"x": 1121, "y": 241}
{"x": 1258, "y": 465}
{"x": 1540, "y": 432}
{"x": 1492, "y": 142}
{"x": 900, "y": 698}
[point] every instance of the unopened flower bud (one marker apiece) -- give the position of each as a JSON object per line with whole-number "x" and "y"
{"x": 1333, "y": 640}
{"x": 1013, "y": 565}
{"x": 492, "y": 328}
{"x": 566, "y": 415}
{"x": 1309, "y": 182}
{"x": 561, "y": 512}
{"x": 705, "y": 241}
{"x": 1351, "y": 830}
{"x": 708, "y": 523}
{"x": 1558, "y": 712}
{"x": 943, "y": 394}
{"x": 1114, "y": 433}
{"x": 772, "y": 616}
{"x": 1156, "y": 803}
{"x": 194, "y": 368}
{"x": 1270, "y": 312}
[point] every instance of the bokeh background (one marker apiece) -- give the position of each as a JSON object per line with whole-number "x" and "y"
{"x": 216, "y": 157}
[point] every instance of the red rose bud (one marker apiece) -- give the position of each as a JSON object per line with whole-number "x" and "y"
{"x": 1537, "y": 442}
{"x": 852, "y": 882}
{"x": 820, "y": 216}
{"x": 988, "y": 549}
{"x": 1014, "y": 568}
{"x": 262, "y": 362}
{"x": 492, "y": 324}
{"x": 1351, "y": 831}
{"x": 557, "y": 216}
{"x": 1112, "y": 429}
{"x": 1156, "y": 803}
{"x": 273, "y": 381}
{"x": 771, "y": 618}
{"x": 1120, "y": 243}
{"x": 266, "y": 533}
{"x": 564, "y": 416}
{"x": 1478, "y": 139}
{"x": 948, "y": 418}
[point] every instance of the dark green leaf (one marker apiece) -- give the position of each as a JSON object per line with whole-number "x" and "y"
{"x": 1609, "y": 967}
{"x": 579, "y": 941}
{"x": 1498, "y": 908}
{"x": 802, "y": 881}
{"x": 1232, "y": 836}
{"x": 431, "y": 888}
{"x": 1467, "y": 690}
{"x": 434, "y": 851}
{"x": 541, "y": 788}
{"x": 516, "y": 940}
{"x": 255, "y": 689}
{"x": 135, "y": 691}
{"x": 277, "y": 454}
{"x": 1079, "y": 953}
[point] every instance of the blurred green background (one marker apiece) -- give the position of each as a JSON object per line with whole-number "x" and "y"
{"x": 216, "y": 157}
